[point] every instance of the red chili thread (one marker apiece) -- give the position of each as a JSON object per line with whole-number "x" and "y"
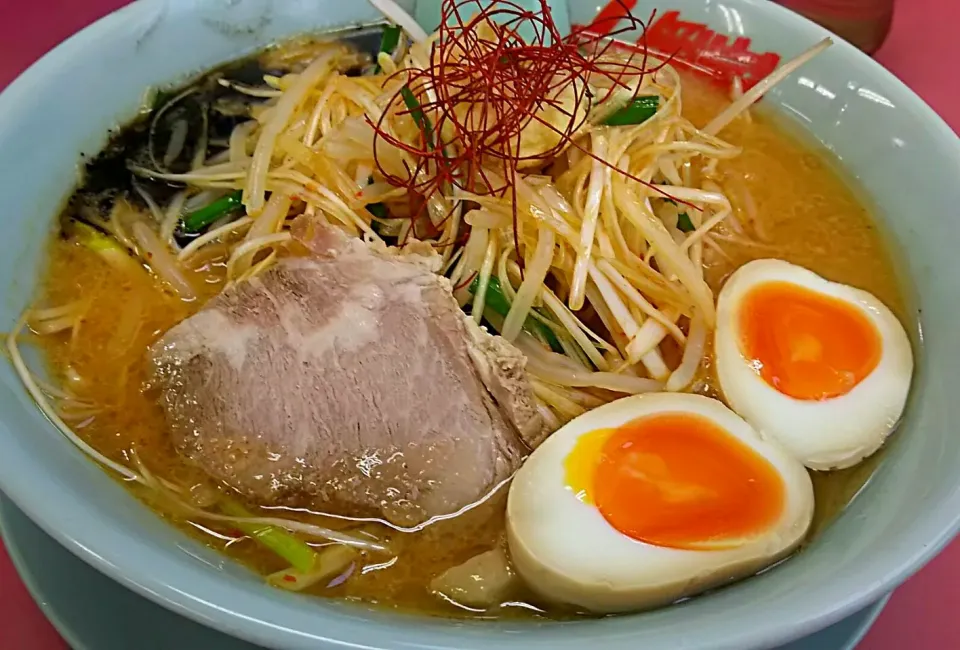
{"x": 488, "y": 86}
{"x": 466, "y": 282}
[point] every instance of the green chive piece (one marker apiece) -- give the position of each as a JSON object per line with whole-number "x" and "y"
{"x": 200, "y": 219}
{"x": 416, "y": 112}
{"x": 637, "y": 111}
{"x": 389, "y": 41}
{"x": 379, "y": 210}
{"x": 497, "y": 301}
{"x": 684, "y": 224}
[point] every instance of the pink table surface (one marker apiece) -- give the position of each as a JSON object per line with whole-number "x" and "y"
{"x": 921, "y": 50}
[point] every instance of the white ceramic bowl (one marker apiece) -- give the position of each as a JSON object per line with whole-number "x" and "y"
{"x": 900, "y": 152}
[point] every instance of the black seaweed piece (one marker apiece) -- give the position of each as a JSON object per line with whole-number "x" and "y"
{"x": 106, "y": 175}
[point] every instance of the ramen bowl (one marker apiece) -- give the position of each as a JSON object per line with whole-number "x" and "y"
{"x": 900, "y": 155}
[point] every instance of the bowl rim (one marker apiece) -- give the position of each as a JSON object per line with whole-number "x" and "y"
{"x": 86, "y": 542}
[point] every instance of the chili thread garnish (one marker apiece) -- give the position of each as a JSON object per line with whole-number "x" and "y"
{"x": 485, "y": 84}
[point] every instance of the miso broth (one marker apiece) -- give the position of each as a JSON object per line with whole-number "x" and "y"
{"x": 805, "y": 213}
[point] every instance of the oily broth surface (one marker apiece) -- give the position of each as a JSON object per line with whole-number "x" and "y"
{"x": 809, "y": 216}
{"x": 806, "y": 214}
{"x": 115, "y": 371}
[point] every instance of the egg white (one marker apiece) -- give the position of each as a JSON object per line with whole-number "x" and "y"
{"x": 567, "y": 552}
{"x": 822, "y": 434}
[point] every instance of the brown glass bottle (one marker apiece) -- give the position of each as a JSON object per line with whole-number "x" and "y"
{"x": 865, "y": 23}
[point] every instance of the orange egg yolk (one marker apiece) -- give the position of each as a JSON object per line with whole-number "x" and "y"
{"x": 676, "y": 480}
{"x": 805, "y": 344}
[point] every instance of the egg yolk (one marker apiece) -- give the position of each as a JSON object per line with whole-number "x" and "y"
{"x": 676, "y": 480}
{"x": 805, "y": 344}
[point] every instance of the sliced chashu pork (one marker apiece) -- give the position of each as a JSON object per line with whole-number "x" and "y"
{"x": 347, "y": 380}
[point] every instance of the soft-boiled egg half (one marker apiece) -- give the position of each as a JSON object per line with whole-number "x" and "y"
{"x": 652, "y": 498}
{"x": 821, "y": 367}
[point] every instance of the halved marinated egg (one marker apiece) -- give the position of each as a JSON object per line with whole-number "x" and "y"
{"x": 652, "y": 498}
{"x": 821, "y": 367}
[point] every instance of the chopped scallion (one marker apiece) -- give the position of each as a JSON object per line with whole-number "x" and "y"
{"x": 93, "y": 238}
{"x": 684, "y": 224}
{"x": 108, "y": 248}
{"x": 295, "y": 551}
{"x": 330, "y": 562}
